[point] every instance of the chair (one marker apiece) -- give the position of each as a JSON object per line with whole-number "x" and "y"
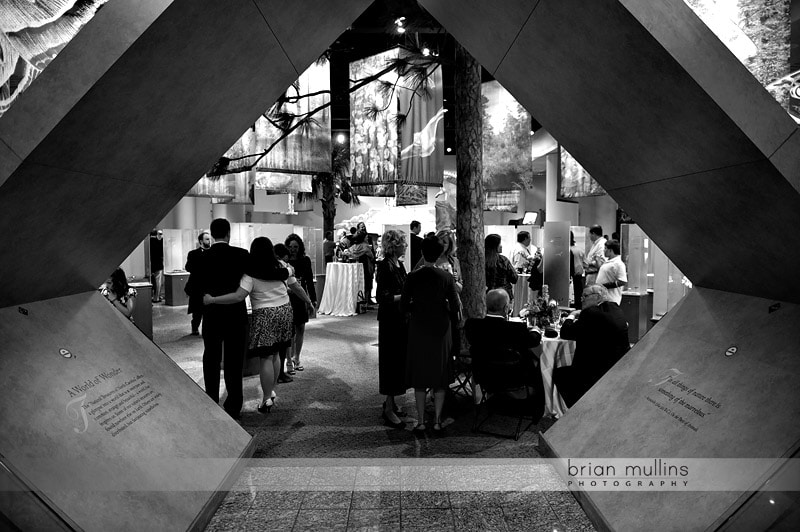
{"x": 502, "y": 377}
{"x": 462, "y": 375}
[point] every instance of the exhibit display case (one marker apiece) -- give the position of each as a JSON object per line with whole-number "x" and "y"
{"x": 636, "y": 255}
{"x": 669, "y": 283}
{"x": 177, "y": 244}
{"x": 556, "y": 261}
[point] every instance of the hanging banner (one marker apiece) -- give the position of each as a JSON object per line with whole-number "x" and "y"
{"x": 574, "y": 181}
{"x": 282, "y": 182}
{"x": 507, "y": 163}
{"x": 422, "y": 134}
{"x": 373, "y": 131}
{"x": 411, "y": 194}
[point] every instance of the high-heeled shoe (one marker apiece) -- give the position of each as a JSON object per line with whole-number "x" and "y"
{"x": 419, "y": 428}
{"x": 437, "y": 426}
{"x": 388, "y": 422}
{"x": 266, "y": 406}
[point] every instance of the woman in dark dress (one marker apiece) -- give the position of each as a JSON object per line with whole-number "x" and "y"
{"x": 305, "y": 276}
{"x": 429, "y": 297}
{"x": 499, "y": 271}
{"x": 392, "y": 329}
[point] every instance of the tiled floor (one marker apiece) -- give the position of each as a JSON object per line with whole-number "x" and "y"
{"x": 399, "y": 510}
{"x": 324, "y": 461}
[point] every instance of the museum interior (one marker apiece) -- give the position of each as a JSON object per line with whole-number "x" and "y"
{"x": 651, "y": 149}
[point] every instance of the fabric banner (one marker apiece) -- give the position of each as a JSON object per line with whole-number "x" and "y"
{"x": 507, "y": 162}
{"x": 383, "y": 190}
{"x": 574, "y": 181}
{"x": 373, "y": 142}
{"x": 307, "y": 149}
{"x": 231, "y": 188}
{"x": 411, "y": 194}
{"x": 422, "y": 134}
{"x": 502, "y": 200}
{"x": 282, "y": 182}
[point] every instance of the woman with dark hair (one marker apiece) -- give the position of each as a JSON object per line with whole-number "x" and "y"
{"x": 271, "y": 329}
{"x": 302, "y": 309}
{"x": 119, "y": 294}
{"x": 392, "y": 330}
{"x": 500, "y": 272}
{"x": 430, "y": 299}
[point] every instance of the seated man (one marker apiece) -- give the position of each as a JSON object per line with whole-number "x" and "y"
{"x": 601, "y": 334}
{"x": 502, "y": 350}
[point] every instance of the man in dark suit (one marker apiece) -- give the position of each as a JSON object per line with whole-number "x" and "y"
{"x": 224, "y": 326}
{"x": 415, "y": 244}
{"x": 505, "y": 346}
{"x": 601, "y": 334}
{"x": 193, "y": 259}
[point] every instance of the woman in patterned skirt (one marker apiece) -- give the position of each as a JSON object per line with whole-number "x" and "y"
{"x": 272, "y": 327}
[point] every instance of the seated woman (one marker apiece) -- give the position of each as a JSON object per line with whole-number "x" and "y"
{"x": 119, "y": 294}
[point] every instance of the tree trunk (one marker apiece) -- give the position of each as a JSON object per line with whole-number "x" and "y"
{"x": 469, "y": 195}
{"x": 328, "y": 204}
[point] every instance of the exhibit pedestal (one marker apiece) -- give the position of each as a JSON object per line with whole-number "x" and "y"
{"x": 101, "y": 429}
{"x": 634, "y": 307}
{"x": 143, "y": 308}
{"x": 174, "y": 284}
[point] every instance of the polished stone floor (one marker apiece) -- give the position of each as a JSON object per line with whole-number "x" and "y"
{"x": 324, "y": 461}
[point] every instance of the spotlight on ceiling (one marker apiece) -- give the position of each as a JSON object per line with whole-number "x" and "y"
{"x": 426, "y": 52}
{"x": 401, "y": 29}
{"x": 341, "y": 138}
{"x": 400, "y": 21}
{"x": 449, "y": 150}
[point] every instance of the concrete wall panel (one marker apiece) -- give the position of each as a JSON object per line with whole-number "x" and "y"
{"x": 486, "y": 29}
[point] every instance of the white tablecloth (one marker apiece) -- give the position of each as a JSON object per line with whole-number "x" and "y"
{"x": 343, "y": 281}
{"x": 555, "y": 353}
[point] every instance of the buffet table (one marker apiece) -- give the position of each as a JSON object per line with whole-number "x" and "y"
{"x": 555, "y": 353}
{"x": 343, "y": 282}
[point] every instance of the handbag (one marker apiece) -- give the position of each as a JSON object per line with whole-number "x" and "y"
{"x": 361, "y": 303}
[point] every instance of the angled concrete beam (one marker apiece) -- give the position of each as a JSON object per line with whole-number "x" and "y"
{"x": 97, "y": 151}
{"x": 666, "y": 119}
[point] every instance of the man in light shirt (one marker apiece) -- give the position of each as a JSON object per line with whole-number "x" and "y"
{"x": 613, "y": 274}
{"x": 596, "y": 256}
{"x": 522, "y": 256}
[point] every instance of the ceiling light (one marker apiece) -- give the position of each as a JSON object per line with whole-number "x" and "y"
{"x": 426, "y": 52}
{"x": 341, "y": 138}
{"x": 401, "y": 29}
{"x": 400, "y": 21}
{"x": 449, "y": 150}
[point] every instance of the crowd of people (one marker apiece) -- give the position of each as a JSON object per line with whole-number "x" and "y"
{"x": 419, "y": 310}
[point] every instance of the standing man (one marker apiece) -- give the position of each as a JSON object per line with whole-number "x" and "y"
{"x": 224, "y": 326}
{"x": 596, "y": 256}
{"x": 613, "y": 274}
{"x": 416, "y": 244}
{"x": 193, "y": 264}
{"x": 522, "y": 256}
{"x": 157, "y": 263}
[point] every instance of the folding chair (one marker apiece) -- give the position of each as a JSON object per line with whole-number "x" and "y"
{"x": 462, "y": 376}
{"x": 501, "y": 376}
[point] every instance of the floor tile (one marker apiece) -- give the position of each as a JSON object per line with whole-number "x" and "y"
{"x": 327, "y": 520}
{"x": 459, "y": 499}
{"x": 479, "y": 519}
{"x": 430, "y": 518}
{"x": 375, "y": 499}
{"x": 285, "y": 500}
{"x": 269, "y": 520}
{"x": 326, "y": 499}
{"x": 386, "y": 518}
{"x": 424, "y": 499}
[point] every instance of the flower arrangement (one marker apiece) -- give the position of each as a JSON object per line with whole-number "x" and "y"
{"x": 542, "y": 312}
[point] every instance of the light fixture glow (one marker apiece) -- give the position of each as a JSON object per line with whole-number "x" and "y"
{"x": 341, "y": 138}
{"x": 772, "y": 501}
{"x": 426, "y": 52}
{"x": 401, "y": 29}
{"x": 449, "y": 150}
